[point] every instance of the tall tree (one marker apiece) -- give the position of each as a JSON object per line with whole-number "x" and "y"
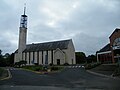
{"x": 80, "y": 57}
{"x": 7, "y": 59}
{"x": 12, "y": 59}
{"x": 2, "y": 61}
{"x": 0, "y": 52}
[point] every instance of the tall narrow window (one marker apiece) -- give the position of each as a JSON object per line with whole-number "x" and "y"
{"x": 58, "y": 61}
{"x": 46, "y": 57}
{"x": 72, "y": 61}
{"x": 25, "y": 56}
{"x": 22, "y": 56}
{"x": 38, "y": 57}
{"x": 29, "y": 57}
{"x": 42, "y": 57}
{"x": 52, "y": 56}
{"x": 33, "y": 57}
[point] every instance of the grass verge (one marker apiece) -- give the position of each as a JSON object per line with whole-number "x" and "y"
{"x": 117, "y": 72}
{"x": 3, "y": 73}
{"x": 92, "y": 65}
{"x": 43, "y": 68}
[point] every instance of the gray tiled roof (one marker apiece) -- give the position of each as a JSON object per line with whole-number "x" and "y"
{"x": 105, "y": 48}
{"x": 47, "y": 46}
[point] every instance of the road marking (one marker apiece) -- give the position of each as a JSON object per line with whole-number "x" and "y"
{"x": 76, "y": 66}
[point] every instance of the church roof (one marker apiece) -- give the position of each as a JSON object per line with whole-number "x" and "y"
{"x": 105, "y": 48}
{"x": 47, "y": 46}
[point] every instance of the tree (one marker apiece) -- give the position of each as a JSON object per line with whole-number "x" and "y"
{"x": 12, "y": 59}
{"x": 2, "y": 61}
{"x": 80, "y": 57}
{"x": 91, "y": 58}
{"x": 0, "y": 54}
{"x": 0, "y": 51}
{"x": 7, "y": 59}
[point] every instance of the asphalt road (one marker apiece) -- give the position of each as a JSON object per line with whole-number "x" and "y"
{"x": 68, "y": 79}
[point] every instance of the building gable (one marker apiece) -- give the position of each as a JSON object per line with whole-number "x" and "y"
{"x": 114, "y": 35}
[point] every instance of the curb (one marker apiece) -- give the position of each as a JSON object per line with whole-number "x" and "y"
{"x": 103, "y": 75}
{"x": 32, "y": 71}
{"x": 40, "y": 72}
{"x": 99, "y": 74}
{"x": 9, "y": 75}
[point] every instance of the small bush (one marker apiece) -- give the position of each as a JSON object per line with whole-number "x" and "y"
{"x": 36, "y": 64}
{"x": 51, "y": 64}
{"x": 34, "y": 68}
{"x": 66, "y": 64}
{"x": 54, "y": 68}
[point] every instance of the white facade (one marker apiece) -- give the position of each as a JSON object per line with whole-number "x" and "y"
{"x": 22, "y": 42}
{"x": 56, "y": 57}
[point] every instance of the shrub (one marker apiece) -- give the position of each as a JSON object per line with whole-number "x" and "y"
{"x": 36, "y": 64}
{"x": 37, "y": 68}
{"x": 34, "y": 68}
{"x": 51, "y": 64}
{"x": 54, "y": 68}
{"x": 66, "y": 64}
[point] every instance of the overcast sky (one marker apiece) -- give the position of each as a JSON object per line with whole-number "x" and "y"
{"x": 88, "y": 23}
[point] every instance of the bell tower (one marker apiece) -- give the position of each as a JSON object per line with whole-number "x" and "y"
{"x": 22, "y": 35}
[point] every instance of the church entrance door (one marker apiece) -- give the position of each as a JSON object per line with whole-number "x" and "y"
{"x": 58, "y": 61}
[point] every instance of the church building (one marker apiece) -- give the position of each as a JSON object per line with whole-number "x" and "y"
{"x": 54, "y": 52}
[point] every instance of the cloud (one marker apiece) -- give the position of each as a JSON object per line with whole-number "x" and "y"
{"x": 89, "y": 44}
{"x": 88, "y": 22}
{"x": 41, "y": 33}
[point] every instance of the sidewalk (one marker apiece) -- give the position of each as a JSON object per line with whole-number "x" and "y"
{"x": 105, "y": 69}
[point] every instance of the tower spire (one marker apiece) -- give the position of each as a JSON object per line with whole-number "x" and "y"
{"x": 24, "y": 8}
{"x": 22, "y": 34}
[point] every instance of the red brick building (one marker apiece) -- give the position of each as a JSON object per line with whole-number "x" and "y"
{"x": 111, "y": 52}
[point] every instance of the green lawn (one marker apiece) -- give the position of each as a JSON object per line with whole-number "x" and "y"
{"x": 43, "y": 68}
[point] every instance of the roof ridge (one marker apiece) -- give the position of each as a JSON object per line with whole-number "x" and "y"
{"x": 49, "y": 42}
{"x": 114, "y": 32}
